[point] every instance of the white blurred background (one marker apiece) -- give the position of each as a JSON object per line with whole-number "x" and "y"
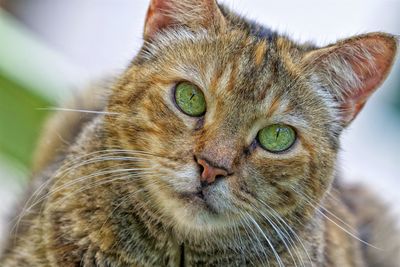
{"x": 99, "y": 37}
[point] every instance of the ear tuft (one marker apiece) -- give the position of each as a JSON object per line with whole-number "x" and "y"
{"x": 199, "y": 14}
{"x": 353, "y": 69}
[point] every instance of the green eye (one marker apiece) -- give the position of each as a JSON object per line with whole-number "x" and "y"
{"x": 190, "y": 99}
{"x": 277, "y": 137}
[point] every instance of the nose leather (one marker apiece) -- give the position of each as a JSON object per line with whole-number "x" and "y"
{"x": 210, "y": 173}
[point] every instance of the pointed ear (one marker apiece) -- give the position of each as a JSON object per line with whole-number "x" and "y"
{"x": 352, "y": 69}
{"x": 198, "y": 14}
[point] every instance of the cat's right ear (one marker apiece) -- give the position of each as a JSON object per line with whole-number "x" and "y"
{"x": 194, "y": 15}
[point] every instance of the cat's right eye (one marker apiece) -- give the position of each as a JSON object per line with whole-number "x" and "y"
{"x": 190, "y": 99}
{"x": 277, "y": 137}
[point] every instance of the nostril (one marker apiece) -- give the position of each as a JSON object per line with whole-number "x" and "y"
{"x": 203, "y": 184}
{"x": 201, "y": 169}
{"x": 219, "y": 177}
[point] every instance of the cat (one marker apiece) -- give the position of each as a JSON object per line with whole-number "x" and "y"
{"x": 216, "y": 147}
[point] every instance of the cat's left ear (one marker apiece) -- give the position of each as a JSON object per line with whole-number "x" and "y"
{"x": 194, "y": 15}
{"x": 352, "y": 69}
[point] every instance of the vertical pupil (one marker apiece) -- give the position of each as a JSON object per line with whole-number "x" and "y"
{"x": 278, "y": 131}
{"x": 276, "y": 138}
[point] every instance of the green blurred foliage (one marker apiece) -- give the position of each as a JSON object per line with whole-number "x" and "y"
{"x": 28, "y": 78}
{"x": 20, "y": 120}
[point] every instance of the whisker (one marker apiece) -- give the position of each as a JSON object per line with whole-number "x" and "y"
{"x": 277, "y": 216}
{"x": 280, "y": 234}
{"x": 34, "y": 197}
{"x": 80, "y": 179}
{"x": 329, "y": 212}
{"x": 277, "y": 257}
{"x": 78, "y": 110}
{"x": 246, "y": 225}
{"x": 318, "y": 209}
{"x": 65, "y": 169}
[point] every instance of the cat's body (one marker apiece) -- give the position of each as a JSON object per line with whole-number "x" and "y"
{"x": 146, "y": 242}
{"x": 322, "y": 241}
{"x": 144, "y": 184}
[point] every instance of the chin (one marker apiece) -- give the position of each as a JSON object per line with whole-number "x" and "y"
{"x": 205, "y": 211}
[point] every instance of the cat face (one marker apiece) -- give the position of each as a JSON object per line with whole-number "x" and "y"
{"x": 242, "y": 96}
{"x": 212, "y": 168}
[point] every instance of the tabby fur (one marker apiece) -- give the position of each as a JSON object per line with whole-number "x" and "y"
{"x": 122, "y": 193}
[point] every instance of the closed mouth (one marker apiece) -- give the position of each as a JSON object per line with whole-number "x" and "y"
{"x": 199, "y": 194}
{"x": 196, "y": 196}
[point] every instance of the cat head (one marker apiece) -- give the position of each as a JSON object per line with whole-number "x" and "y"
{"x": 233, "y": 121}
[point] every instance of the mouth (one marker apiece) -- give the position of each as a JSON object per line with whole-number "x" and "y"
{"x": 200, "y": 195}
{"x": 196, "y": 196}
{"x": 199, "y": 199}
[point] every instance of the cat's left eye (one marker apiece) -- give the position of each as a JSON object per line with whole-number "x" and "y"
{"x": 190, "y": 99}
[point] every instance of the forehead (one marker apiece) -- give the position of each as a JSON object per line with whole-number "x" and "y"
{"x": 238, "y": 65}
{"x": 248, "y": 78}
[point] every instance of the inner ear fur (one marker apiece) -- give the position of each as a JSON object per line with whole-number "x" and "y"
{"x": 352, "y": 69}
{"x": 195, "y": 15}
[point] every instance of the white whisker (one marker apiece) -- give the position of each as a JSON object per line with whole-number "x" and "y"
{"x": 318, "y": 209}
{"x": 78, "y": 110}
{"x": 277, "y": 257}
{"x": 277, "y": 216}
{"x": 246, "y": 226}
{"x": 280, "y": 234}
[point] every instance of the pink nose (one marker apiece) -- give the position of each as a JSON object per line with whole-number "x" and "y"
{"x": 210, "y": 172}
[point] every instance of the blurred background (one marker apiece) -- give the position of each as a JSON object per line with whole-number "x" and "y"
{"x": 51, "y": 49}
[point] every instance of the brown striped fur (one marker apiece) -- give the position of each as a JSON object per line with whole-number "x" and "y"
{"x": 123, "y": 194}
